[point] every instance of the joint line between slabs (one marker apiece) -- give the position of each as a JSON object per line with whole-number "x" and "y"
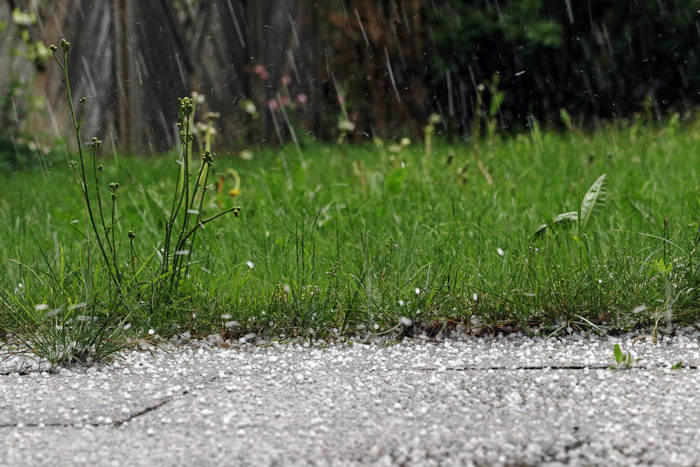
{"x": 155, "y": 406}
{"x": 543, "y": 367}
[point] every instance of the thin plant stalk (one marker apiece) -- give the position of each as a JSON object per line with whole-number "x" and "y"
{"x": 65, "y": 45}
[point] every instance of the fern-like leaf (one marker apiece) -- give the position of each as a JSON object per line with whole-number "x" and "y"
{"x": 594, "y": 199}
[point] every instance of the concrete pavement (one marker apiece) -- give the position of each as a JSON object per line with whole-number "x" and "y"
{"x": 461, "y": 401}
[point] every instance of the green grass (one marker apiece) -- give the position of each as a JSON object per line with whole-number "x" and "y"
{"x": 357, "y": 238}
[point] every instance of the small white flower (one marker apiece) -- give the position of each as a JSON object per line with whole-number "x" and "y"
{"x": 475, "y": 297}
{"x": 249, "y": 107}
{"x": 346, "y": 125}
{"x": 151, "y": 332}
{"x": 401, "y": 303}
{"x": 417, "y": 291}
{"x": 197, "y": 98}
{"x": 250, "y": 264}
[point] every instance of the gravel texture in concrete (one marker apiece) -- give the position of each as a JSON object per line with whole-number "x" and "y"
{"x": 460, "y": 401}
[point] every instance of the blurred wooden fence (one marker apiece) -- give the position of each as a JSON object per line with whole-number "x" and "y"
{"x": 383, "y": 64}
{"x": 298, "y": 61}
{"x": 133, "y": 59}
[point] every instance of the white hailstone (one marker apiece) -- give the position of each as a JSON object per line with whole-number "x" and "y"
{"x": 405, "y": 321}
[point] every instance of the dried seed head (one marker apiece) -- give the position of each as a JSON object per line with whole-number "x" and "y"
{"x": 53, "y": 48}
{"x": 131, "y": 234}
{"x": 114, "y": 186}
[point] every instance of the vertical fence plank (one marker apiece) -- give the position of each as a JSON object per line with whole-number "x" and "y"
{"x": 120, "y": 21}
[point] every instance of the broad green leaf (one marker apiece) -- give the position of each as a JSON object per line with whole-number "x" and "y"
{"x": 594, "y": 198}
{"x": 562, "y": 219}
{"x": 542, "y": 228}
{"x": 571, "y": 216}
{"x": 618, "y": 353}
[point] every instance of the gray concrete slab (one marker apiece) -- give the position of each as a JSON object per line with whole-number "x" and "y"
{"x": 462, "y": 401}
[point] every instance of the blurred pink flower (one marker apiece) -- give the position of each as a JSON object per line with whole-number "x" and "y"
{"x": 272, "y": 104}
{"x": 302, "y": 98}
{"x": 261, "y": 71}
{"x": 286, "y": 80}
